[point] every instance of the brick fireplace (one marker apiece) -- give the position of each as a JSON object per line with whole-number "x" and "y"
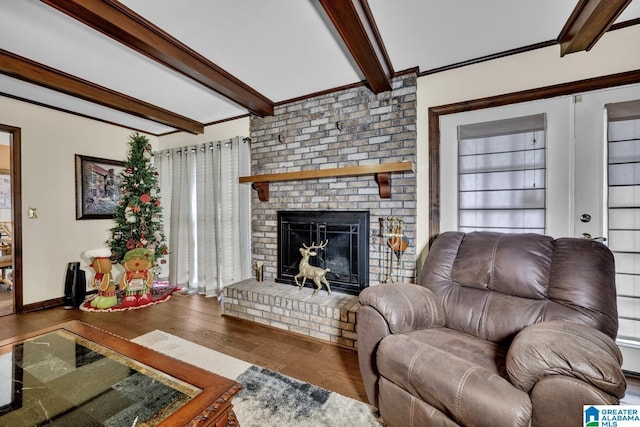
{"x": 351, "y": 127}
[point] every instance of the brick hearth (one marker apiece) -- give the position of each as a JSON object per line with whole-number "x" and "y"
{"x": 327, "y": 317}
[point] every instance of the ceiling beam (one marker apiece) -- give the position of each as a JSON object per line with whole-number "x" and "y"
{"x": 355, "y": 25}
{"x": 588, "y": 22}
{"x": 33, "y": 72}
{"x": 115, "y": 20}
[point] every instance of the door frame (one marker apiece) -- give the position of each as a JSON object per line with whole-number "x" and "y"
{"x": 434, "y": 113}
{"x": 15, "y": 150}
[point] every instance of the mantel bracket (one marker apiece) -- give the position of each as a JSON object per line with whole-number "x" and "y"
{"x": 383, "y": 179}
{"x": 263, "y": 190}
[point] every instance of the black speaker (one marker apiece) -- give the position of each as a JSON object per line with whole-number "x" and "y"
{"x": 75, "y": 286}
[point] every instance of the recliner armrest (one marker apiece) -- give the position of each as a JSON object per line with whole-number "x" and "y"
{"x": 565, "y": 348}
{"x": 404, "y": 306}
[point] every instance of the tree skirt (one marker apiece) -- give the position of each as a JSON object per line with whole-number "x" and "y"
{"x": 159, "y": 293}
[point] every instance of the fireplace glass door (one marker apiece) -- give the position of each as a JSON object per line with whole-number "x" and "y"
{"x": 346, "y": 254}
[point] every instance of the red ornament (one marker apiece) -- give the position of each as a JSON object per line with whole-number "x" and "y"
{"x": 145, "y": 198}
{"x": 131, "y": 244}
{"x": 156, "y": 202}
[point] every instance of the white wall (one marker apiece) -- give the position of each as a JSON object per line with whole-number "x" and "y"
{"x": 219, "y": 132}
{"x": 616, "y": 52}
{"x": 50, "y": 139}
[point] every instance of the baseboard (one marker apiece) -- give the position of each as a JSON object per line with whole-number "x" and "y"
{"x": 42, "y": 305}
{"x": 51, "y": 303}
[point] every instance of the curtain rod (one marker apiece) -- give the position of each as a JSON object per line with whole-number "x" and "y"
{"x": 193, "y": 148}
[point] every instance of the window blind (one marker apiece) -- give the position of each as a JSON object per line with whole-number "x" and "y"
{"x": 623, "y": 199}
{"x": 501, "y": 175}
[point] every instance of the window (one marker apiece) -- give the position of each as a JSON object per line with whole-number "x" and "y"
{"x": 623, "y": 146}
{"x": 501, "y": 174}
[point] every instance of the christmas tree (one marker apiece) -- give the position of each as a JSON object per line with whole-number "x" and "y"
{"x": 138, "y": 215}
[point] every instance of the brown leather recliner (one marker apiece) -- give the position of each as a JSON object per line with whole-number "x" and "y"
{"x": 502, "y": 330}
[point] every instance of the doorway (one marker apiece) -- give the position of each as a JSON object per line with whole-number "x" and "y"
{"x": 10, "y": 221}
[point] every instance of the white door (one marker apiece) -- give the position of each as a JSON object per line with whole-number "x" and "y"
{"x": 607, "y": 199}
{"x": 591, "y": 156}
{"x": 576, "y": 187}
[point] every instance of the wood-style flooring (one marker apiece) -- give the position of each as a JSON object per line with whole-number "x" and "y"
{"x": 6, "y": 301}
{"x": 199, "y": 319}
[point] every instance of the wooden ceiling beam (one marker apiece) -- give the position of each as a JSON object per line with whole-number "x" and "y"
{"x": 589, "y": 20}
{"x": 355, "y": 25}
{"x": 33, "y": 72}
{"x": 115, "y": 20}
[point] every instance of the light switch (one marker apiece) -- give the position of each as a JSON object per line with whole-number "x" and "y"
{"x": 33, "y": 213}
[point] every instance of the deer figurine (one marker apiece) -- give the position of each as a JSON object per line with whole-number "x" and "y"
{"x": 307, "y": 271}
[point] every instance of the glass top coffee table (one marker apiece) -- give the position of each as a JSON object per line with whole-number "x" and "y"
{"x": 77, "y": 375}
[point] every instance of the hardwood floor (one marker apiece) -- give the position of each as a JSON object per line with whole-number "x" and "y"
{"x": 200, "y": 320}
{"x": 6, "y": 301}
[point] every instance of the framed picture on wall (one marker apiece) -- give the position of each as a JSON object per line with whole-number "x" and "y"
{"x": 97, "y": 187}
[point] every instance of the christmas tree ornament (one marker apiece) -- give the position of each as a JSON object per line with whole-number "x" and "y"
{"x": 129, "y": 216}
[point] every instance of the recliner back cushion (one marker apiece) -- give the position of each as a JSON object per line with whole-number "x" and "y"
{"x": 492, "y": 285}
{"x": 507, "y": 263}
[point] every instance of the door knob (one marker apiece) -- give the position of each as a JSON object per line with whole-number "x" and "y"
{"x": 588, "y": 237}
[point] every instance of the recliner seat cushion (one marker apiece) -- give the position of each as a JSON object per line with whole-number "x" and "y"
{"x": 459, "y": 375}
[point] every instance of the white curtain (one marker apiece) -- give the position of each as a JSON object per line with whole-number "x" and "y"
{"x": 205, "y": 214}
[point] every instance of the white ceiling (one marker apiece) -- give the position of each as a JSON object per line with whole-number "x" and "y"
{"x": 283, "y": 49}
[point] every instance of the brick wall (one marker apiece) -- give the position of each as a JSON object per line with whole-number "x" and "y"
{"x": 345, "y": 128}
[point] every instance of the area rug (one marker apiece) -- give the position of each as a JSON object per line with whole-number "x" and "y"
{"x": 159, "y": 293}
{"x": 268, "y": 398}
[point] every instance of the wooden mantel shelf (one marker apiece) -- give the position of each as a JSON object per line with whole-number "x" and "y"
{"x": 382, "y": 174}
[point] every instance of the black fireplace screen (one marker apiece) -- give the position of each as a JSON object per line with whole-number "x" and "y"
{"x": 346, "y": 254}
